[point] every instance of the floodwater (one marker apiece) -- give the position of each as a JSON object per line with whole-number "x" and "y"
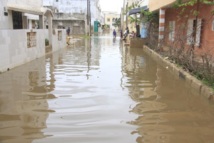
{"x": 98, "y": 91}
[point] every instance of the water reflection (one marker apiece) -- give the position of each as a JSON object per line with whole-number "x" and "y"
{"x": 167, "y": 110}
{"x": 99, "y": 91}
{"x": 23, "y": 104}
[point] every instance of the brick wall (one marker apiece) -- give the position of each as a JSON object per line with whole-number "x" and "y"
{"x": 181, "y": 25}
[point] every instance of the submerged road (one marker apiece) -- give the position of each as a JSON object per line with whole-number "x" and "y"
{"x": 98, "y": 91}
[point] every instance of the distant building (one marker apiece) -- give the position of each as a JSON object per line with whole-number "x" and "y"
{"x": 110, "y": 18}
{"x": 76, "y": 11}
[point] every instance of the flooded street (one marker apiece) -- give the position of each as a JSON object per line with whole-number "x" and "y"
{"x": 98, "y": 91}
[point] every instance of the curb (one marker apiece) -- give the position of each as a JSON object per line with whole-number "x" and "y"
{"x": 196, "y": 85}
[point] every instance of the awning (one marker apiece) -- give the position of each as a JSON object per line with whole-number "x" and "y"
{"x": 137, "y": 10}
{"x": 29, "y": 9}
{"x": 31, "y": 16}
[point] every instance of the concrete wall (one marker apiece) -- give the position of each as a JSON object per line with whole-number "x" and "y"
{"x": 57, "y": 42}
{"x": 76, "y": 6}
{"x": 76, "y": 26}
{"x": 14, "y": 50}
{"x": 76, "y": 22}
{"x": 34, "y": 3}
{"x": 48, "y": 3}
{"x": 157, "y": 4}
{"x": 5, "y": 21}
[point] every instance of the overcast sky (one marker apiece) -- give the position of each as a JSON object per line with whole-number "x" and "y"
{"x": 111, "y": 5}
{"x": 115, "y": 5}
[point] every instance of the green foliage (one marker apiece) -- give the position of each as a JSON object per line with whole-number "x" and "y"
{"x": 133, "y": 19}
{"x": 149, "y": 16}
{"x": 85, "y": 37}
{"x": 117, "y": 22}
{"x": 46, "y": 42}
{"x": 207, "y": 79}
{"x": 134, "y": 5}
{"x": 184, "y": 3}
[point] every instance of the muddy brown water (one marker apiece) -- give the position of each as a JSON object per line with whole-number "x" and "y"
{"x": 98, "y": 91}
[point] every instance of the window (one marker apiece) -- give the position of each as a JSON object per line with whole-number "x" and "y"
{"x": 194, "y": 32}
{"x": 17, "y": 20}
{"x": 213, "y": 25}
{"x": 171, "y": 30}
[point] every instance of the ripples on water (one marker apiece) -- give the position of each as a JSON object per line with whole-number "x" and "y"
{"x": 103, "y": 93}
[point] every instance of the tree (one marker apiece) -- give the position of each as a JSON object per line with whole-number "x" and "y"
{"x": 117, "y": 22}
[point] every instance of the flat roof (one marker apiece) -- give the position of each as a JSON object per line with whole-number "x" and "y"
{"x": 29, "y": 9}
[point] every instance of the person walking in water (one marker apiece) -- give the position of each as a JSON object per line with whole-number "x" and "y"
{"x": 68, "y": 36}
{"x": 114, "y": 33}
{"x": 68, "y": 31}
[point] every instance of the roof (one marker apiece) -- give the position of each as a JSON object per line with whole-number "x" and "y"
{"x": 137, "y": 10}
{"x": 155, "y": 5}
{"x": 29, "y": 9}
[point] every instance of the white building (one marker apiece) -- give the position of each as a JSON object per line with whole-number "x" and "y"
{"x": 15, "y": 13}
{"x": 76, "y": 6}
{"x": 110, "y": 18}
{"x": 18, "y": 43}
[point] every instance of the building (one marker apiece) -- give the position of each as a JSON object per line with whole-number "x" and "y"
{"x": 76, "y": 11}
{"x": 15, "y": 13}
{"x": 110, "y": 18}
{"x": 21, "y": 41}
{"x": 176, "y": 24}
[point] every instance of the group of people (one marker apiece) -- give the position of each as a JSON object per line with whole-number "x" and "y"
{"x": 125, "y": 34}
{"x": 122, "y": 35}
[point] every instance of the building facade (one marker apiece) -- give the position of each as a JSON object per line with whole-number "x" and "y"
{"x": 176, "y": 24}
{"x": 110, "y": 18}
{"x": 74, "y": 8}
{"x": 19, "y": 43}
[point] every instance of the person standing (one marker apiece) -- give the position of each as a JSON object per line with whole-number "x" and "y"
{"x": 114, "y": 33}
{"x": 68, "y": 31}
{"x": 121, "y": 34}
{"x": 126, "y": 33}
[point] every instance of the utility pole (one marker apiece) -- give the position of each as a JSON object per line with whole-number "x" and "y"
{"x": 126, "y": 14}
{"x": 88, "y": 18}
{"x": 89, "y": 7}
{"x": 123, "y": 14}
